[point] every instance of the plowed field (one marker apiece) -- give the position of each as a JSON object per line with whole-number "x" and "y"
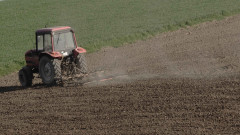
{"x": 182, "y": 82}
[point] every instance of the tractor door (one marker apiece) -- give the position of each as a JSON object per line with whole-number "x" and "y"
{"x": 44, "y": 43}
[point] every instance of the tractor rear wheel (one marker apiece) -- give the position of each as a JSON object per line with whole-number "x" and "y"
{"x": 50, "y": 70}
{"x": 25, "y": 76}
{"x": 81, "y": 63}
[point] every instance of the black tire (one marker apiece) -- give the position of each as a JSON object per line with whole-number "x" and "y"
{"x": 25, "y": 76}
{"x": 81, "y": 63}
{"x": 50, "y": 70}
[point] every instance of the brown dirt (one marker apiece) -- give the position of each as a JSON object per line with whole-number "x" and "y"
{"x": 182, "y": 82}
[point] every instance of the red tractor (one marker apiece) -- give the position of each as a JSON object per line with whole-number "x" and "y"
{"x": 55, "y": 57}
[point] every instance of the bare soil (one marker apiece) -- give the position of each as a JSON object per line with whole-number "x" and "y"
{"x": 182, "y": 82}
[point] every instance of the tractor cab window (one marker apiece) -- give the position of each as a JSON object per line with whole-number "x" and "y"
{"x": 40, "y": 42}
{"x": 44, "y": 42}
{"x": 47, "y": 43}
{"x": 63, "y": 41}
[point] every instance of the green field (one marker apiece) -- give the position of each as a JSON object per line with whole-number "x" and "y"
{"x": 98, "y": 22}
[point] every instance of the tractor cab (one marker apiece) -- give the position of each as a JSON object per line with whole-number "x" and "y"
{"x": 56, "y": 39}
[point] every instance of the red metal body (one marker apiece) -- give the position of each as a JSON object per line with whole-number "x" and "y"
{"x": 33, "y": 56}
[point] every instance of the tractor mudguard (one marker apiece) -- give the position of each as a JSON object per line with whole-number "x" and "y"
{"x": 78, "y": 50}
{"x": 54, "y": 55}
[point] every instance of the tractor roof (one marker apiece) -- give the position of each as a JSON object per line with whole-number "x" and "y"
{"x": 52, "y": 29}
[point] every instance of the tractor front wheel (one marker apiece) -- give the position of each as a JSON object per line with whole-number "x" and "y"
{"x": 50, "y": 70}
{"x": 25, "y": 76}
